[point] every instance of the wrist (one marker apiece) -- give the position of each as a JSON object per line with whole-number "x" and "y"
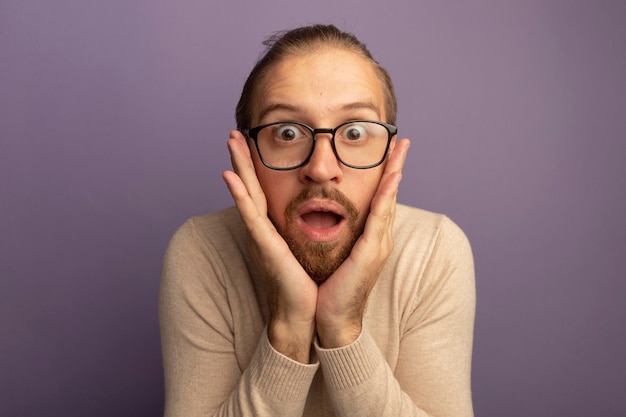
{"x": 292, "y": 339}
{"x": 331, "y": 337}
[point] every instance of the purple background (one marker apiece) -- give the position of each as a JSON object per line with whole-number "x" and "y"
{"x": 113, "y": 121}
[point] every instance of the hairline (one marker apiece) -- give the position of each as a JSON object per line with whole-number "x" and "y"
{"x": 386, "y": 111}
{"x": 268, "y": 62}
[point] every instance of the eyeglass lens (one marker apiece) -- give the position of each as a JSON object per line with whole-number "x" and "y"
{"x": 287, "y": 145}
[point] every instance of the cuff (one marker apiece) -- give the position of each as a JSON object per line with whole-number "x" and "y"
{"x": 350, "y": 365}
{"x": 279, "y": 376}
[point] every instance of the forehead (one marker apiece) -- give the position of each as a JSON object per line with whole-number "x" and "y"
{"x": 318, "y": 84}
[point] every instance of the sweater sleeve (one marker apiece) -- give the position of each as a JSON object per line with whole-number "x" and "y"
{"x": 360, "y": 382}
{"x": 203, "y": 376}
{"x": 432, "y": 374}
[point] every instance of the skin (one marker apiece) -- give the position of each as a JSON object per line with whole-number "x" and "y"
{"x": 321, "y": 88}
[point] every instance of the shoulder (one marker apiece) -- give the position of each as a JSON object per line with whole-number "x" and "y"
{"x": 424, "y": 227}
{"x": 430, "y": 271}
{"x": 433, "y": 260}
{"x": 430, "y": 245}
{"x": 211, "y": 237}
{"x": 218, "y": 228}
{"x": 223, "y": 222}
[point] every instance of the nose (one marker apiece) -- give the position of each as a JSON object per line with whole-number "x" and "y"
{"x": 323, "y": 165}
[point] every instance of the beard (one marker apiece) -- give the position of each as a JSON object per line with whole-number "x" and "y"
{"x": 321, "y": 259}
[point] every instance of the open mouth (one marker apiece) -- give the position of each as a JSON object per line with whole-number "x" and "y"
{"x": 321, "y": 219}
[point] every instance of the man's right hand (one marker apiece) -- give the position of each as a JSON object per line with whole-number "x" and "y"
{"x": 291, "y": 292}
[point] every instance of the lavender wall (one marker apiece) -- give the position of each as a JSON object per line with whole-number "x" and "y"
{"x": 113, "y": 120}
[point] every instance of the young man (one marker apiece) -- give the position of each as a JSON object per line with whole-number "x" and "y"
{"x": 317, "y": 295}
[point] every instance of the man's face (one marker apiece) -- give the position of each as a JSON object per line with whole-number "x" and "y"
{"x": 320, "y": 209}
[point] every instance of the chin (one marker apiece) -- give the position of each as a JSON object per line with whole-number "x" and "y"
{"x": 320, "y": 259}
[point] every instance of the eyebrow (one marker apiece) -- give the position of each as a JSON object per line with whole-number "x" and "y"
{"x": 276, "y": 107}
{"x": 362, "y": 105}
{"x": 295, "y": 109}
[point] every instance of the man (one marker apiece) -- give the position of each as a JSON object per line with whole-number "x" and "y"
{"x": 317, "y": 295}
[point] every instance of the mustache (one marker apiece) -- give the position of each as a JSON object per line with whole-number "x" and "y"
{"x": 352, "y": 212}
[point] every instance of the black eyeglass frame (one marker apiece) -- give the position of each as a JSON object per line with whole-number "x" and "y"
{"x": 253, "y": 133}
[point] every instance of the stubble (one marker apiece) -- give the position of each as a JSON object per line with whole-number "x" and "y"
{"x": 321, "y": 259}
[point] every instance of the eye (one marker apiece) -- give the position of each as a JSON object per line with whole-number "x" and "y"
{"x": 288, "y": 133}
{"x": 354, "y": 132}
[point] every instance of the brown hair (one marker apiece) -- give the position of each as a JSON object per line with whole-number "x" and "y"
{"x": 300, "y": 40}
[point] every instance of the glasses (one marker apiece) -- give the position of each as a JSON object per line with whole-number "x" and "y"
{"x": 360, "y": 144}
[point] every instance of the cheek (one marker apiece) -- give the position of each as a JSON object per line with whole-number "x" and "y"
{"x": 278, "y": 194}
{"x": 364, "y": 189}
{"x": 276, "y": 203}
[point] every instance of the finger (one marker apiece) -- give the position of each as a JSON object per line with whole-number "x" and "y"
{"x": 237, "y": 188}
{"x": 383, "y": 206}
{"x": 390, "y": 180}
{"x": 240, "y": 156}
{"x": 248, "y": 210}
{"x": 383, "y": 202}
{"x": 243, "y": 166}
{"x": 397, "y": 157}
{"x": 382, "y": 209}
{"x": 384, "y": 199}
